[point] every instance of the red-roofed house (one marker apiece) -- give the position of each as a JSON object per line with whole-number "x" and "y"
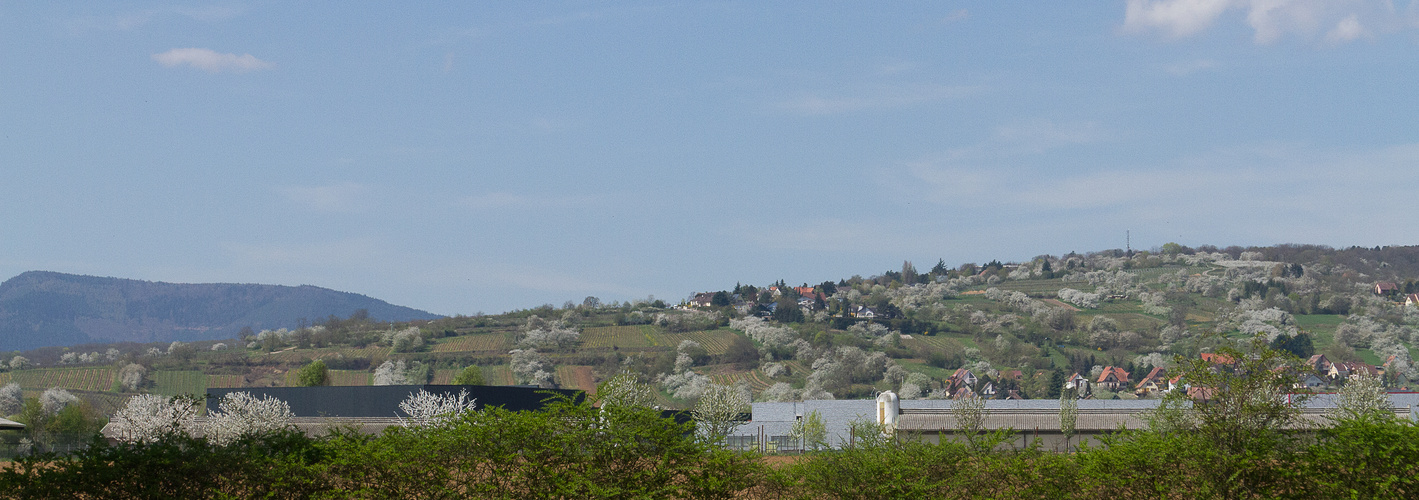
{"x": 1152, "y": 383}
{"x": 1385, "y": 288}
{"x": 1113, "y": 377}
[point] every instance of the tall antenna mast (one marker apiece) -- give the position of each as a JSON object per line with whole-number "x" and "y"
{"x": 1128, "y": 241}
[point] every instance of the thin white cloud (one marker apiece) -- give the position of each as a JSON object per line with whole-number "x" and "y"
{"x": 876, "y": 98}
{"x": 1346, "y": 30}
{"x": 1177, "y": 18}
{"x": 346, "y": 197}
{"x": 211, "y": 61}
{"x": 1270, "y": 20}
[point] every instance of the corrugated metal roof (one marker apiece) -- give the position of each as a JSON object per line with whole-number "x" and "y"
{"x": 10, "y": 424}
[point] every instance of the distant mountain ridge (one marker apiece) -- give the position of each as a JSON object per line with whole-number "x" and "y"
{"x": 41, "y": 308}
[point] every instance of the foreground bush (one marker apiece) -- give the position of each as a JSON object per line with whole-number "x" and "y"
{"x": 572, "y": 450}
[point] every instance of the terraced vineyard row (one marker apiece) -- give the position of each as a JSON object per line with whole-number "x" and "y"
{"x": 349, "y": 377}
{"x": 604, "y": 337}
{"x": 714, "y": 341}
{"x": 444, "y": 376}
{"x": 497, "y": 375}
{"x": 83, "y": 379}
{"x": 480, "y": 342}
{"x": 225, "y": 381}
{"x": 576, "y": 377}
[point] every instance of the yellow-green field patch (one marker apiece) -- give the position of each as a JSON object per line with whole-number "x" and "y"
{"x": 349, "y": 377}
{"x": 497, "y": 375}
{"x": 173, "y": 383}
{"x": 480, "y": 342}
{"x": 605, "y": 337}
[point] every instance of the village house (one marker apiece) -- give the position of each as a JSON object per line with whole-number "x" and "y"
{"x": 1112, "y": 378}
{"x": 1152, "y": 383}
{"x": 1386, "y": 288}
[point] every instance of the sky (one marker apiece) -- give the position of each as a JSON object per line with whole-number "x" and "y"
{"x": 492, "y": 156}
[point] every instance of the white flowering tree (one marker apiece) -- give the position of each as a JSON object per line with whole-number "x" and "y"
{"x": 55, "y": 399}
{"x": 969, "y": 412}
{"x": 1362, "y": 397}
{"x": 624, "y": 391}
{"x": 426, "y": 409}
{"x": 392, "y": 373}
{"x": 131, "y": 376}
{"x": 716, "y": 413}
{"x": 530, "y": 367}
{"x": 239, "y": 414}
{"x": 12, "y": 398}
{"x": 147, "y": 417}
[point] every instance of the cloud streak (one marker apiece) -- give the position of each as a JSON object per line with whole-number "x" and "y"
{"x": 1338, "y": 21}
{"x": 211, "y": 61}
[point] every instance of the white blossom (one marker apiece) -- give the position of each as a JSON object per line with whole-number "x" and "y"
{"x": 240, "y": 414}
{"x": 11, "y": 399}
{"x": 392, "y": 373}
{"x": 55, "y": 399}
{"x": 427, "y": 409}
{"x": 146, "y": 417}
{"x": 130, "y": 377}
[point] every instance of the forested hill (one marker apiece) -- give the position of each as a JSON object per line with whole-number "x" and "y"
{"x": 39, "y": 309}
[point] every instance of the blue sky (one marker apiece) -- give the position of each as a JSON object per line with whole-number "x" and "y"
{"x": 490, "y": 156}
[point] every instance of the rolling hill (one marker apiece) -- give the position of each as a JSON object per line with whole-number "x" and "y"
{"x": 40, "y": 308}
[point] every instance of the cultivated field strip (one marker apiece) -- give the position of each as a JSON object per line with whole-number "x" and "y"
{"x": 715, "y": 342}
{"x": 497, "y": 375}
{"x": 445, "y": 376}
{"x": 349, "y": 377}
{"x": 226, "y": 381}
{"x": 633, "y": 336}
{"x": 576, "y": 377}
{"x": 173, "y": 383}
{"x": 756, "y": 380}
{"x": 932, "y": 341}
{"x": 479, "y": 342}
{"x": 83, "y": 379}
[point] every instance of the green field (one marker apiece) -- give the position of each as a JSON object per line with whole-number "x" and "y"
{"x": 173, "y": 383}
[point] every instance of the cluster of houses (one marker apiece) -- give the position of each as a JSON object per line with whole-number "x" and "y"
{"x": 1322, "y": 373}
{"x": 1387, "y": 289}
